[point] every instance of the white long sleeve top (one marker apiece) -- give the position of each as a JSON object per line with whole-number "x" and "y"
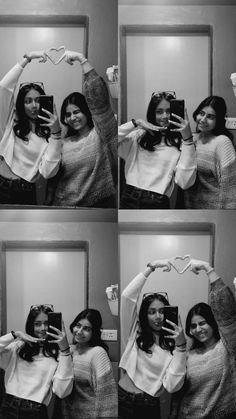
{"x": 26, "y": 159}
{"x": 151, "y": 373}
{"x": 158, "y": 170}
{"x": 35, "y": 380}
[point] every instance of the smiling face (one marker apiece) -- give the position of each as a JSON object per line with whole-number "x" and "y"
{"x": 206, "y": 120}
{"x": 163, "y": 113}
{"x": 31, "y": 104}
{"x": 155, "y": 315}
{"x": 201, "y": 330}
{"x": 41, "y": 325}
{"x": 76, "y": 119}
{"x": 82, "y": 332}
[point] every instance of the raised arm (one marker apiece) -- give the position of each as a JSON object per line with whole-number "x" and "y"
{"x": 222, "y": 302}
{"x": 130, "y": 296}
{"x": 186, "y": 169}
{"x": 8, "y": 85}
{"x": 97, "y": 97}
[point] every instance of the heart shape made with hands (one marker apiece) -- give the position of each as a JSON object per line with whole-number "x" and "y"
{"x": 55, "y": 55}
{"x": 180, "y": 267}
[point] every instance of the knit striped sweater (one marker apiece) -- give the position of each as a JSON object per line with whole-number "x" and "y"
{"x": 215, "y": 185}
{"x": 210, "y": 385}
{"x": 94, "y": 393}
{"x": 89, "y": 163}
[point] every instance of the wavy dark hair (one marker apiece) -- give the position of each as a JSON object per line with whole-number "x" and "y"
{"x": 145, "y": 340}
{"x": 78, "y": 100}
{"x": 148, "y": 141}
{"x": 95, "y": 318}
{"x": 22, "y": 125}
{"x": 218, "y": 104}
{"x": 29, "y": 350}
{"x": 205, "y": 311}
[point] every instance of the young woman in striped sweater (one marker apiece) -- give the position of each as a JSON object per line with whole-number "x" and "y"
{"x": 210, "y": 385}
{"x": 94, "y": 393}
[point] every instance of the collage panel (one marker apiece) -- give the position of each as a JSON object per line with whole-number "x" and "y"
{"x": 58, "y": 101}
{"x": 59, "y": 314}
{"x": 178, "y": 314}
{"x": 177, "y": 104}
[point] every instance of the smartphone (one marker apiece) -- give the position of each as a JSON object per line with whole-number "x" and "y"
{"x": 46, "y": 102}
{"x": 170, "y": 313}
{"x": 176, "y": 106}
{"x": 54, "y": 319}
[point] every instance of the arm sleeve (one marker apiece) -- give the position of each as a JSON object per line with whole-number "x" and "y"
{"x": 63, "y": 377}
{"x": 223, "y": 305}
{"x": 129, "y": 312}
{"x": 51, "y": 159}
{"x": 104, "y": 385}
{"x": 127, "y": 136}
{"x": 6, "y": 350}
{"x": 98, "y": 99}
{"x": 186, "y": 169}
{"x": 175, "y": 373}
{"x": 226, "y": 173}
{"x": 7, "y": 88}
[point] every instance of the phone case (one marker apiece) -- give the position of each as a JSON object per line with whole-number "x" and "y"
{"x": 177, "y": 107}
{"x": 54, "y": 319}
{"x": 170, "y": 313}
{"x": 46, "y": 102}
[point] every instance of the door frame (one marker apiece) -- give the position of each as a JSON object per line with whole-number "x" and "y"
{"x": 168, "y": 30}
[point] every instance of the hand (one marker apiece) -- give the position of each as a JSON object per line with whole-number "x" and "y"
{"x": 198, "y": 265}
{"x": 183, "y": 126}
{"x": 52, "y": 120}
{"x": 38, "y": 54}
{"x": 71, "y": 56}
{"x": 162, "y": 263}
{"x": 27, "y": 338}
{"x": 176, "y": 333}
{"x": 59, "y": 337}
{"x": 149, "y": 127}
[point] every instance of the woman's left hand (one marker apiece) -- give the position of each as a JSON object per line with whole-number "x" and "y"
{"x": 183, "y": 126}
{"x": 176, "y": 333}
{"x": 59, "y": 337}
{"x": 51, "y": 121}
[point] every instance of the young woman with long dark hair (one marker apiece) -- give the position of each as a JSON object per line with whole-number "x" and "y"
{"x": 155, "y": 157}
{"x": 30, "y": 144}
{"x": 215, "y": 185}
{"x": 94, "y": 392}
{"x": 154, "y": 359}
{"x": 35, "y": 367}
{"x": 88, "y": 172}
{"x": 210, "y": 384}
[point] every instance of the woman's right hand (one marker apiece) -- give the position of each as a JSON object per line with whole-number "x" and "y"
{"x": 162, "y": 263}
{"x": 148, "y": 126}
{"x": 27, "y": 338}
{"x": 71, "y": 56}
{"x": 182, "y": 126}
{"x": 37, "y": 54}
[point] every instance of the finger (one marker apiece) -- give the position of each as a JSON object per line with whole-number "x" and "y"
{"x": 179, "y": 321}
{"x": 186, "y": 114}
{"x": 168, "y": 330}
{"x": 177, "y": 116}
{"x": 177, "y": 124}
{"x": 54, "y": 328}
{"x": 171, "y": 323}
{"x": 53, "y": 335}
{"x": 46, "y": 111}
{"x": 62, "y": 58}
{"x": 44, "y": 118}
{"x": 166, "y": 269}
{"x": 195, "y": 270}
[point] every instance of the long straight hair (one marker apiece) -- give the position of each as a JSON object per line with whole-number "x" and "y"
{"x": 29, "y": 350}
{"x": 145, "y": 340}
{"x": 22, "y": 125}
{"x": 148, "y": 141}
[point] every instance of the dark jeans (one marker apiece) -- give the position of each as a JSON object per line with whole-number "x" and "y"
{"x": 17, "y": 191}
{"x": 137, "y": 406}
{"x": 135, "y": 198}
{"x": 15, "y": 408}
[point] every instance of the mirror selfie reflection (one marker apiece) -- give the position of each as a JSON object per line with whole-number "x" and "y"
{"x": 171, "y": 159}
{"x": 58, "y": 344}
{"x": 177, "y": 318}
